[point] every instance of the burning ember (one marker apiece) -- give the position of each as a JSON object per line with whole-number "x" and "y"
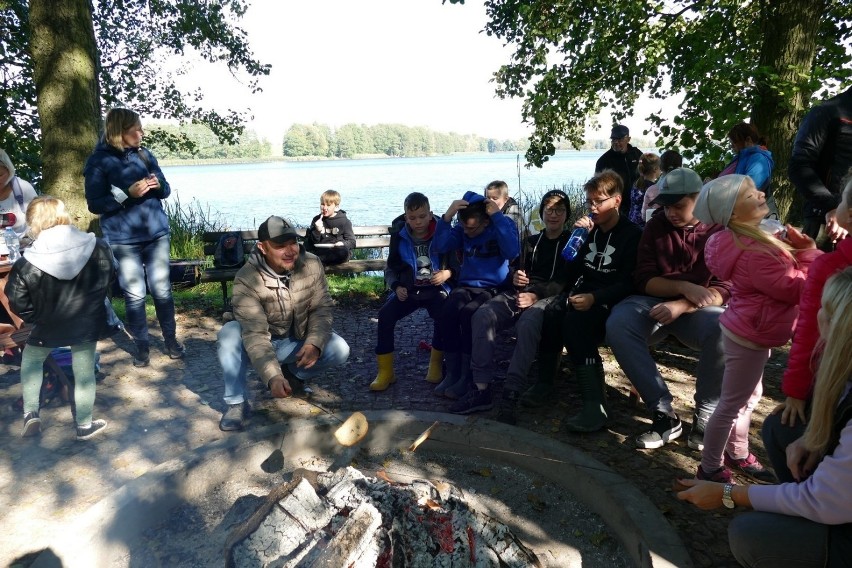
{"x": 343, "y": 519}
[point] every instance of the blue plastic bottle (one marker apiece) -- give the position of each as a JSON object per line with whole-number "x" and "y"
{"x": 575, "y": 243}
{"x": 12, "y": 243}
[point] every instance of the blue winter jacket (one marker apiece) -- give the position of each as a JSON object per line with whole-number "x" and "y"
{"x": 110, "y": 171}
{"x": 757, "y": 163}
{"x": 485, "y": 258}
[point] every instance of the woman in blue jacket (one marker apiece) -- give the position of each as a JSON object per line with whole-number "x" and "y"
{"x": 125, "y": 186}
{"x": 752, "y": 159}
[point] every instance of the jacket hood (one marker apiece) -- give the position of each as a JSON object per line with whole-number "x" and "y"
{"x": 472, "y": 197}
{"x": 750, "y": 150}
{"x": 61, "y": 251}
{"x": 722, "y": 253}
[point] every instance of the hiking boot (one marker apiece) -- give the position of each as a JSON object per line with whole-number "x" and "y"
{"x": 751, "y": 468}
{"x": 476, "y": 400}
{"x": 664, "y": 429}
{"x": 143, "y": 354}
{"x": 92, "y": 430}
{"x": 174, "y": 349}
{"x": 721, "y": 475}
{"x": 32, "y": 424}
{"x": 507, "y": 412}
{"x": 233, "y": 417}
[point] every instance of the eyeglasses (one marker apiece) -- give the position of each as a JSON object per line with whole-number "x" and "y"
{"x": 555, "y": 210}
{"x": 596, "y": 203}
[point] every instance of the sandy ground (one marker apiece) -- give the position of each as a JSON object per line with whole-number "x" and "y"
{"x": 160, "y": 412}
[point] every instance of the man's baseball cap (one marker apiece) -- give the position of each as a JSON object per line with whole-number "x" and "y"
{"x": 619, "y": 131}
{"x": 675, "y": 184}
{"x": 277, "y": 230}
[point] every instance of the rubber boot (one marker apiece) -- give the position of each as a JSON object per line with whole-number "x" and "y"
{"x": 465, "y": 383}
{"x": 385, "y": 376}
{"x": 543, "y": 390}
{"x": 453, "y": 362}
{"x": 593, "y": 416}
{"x": 436, "y": 364}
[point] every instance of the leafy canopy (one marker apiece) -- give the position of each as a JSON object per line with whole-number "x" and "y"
{"x": 136, "y": 39}
{"x": 572, "y": 58}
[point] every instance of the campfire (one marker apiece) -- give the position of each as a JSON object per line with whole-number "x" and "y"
{"x": 343, "y": 519}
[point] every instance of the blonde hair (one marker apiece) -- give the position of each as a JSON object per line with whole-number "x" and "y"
{"x": 835, "y": 367}
{"x": 118, "y": 121}
{"x": 766, "y": 243}
{"x": 330, "y": 197}
{"x": 46, "y": 212}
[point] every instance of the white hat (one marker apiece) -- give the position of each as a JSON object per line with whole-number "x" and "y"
{"x": 715, "y": 203}
{"x": 7, "y": 162}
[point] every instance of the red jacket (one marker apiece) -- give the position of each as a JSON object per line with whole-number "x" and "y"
{"x": 765, "y": 287}
{"x": 799, "y": 376}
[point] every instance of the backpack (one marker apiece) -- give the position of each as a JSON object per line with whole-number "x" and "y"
{"x": 229, "y": 251}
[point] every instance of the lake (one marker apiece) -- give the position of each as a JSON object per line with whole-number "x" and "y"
{"x": 372, "y": 191}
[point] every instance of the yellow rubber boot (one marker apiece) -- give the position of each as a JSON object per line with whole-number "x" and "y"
{"x": 385, "y": 376}
{"x": 436, "y": 367}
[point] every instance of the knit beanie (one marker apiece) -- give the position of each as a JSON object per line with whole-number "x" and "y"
{"x": 554, "y": 193}
{"x": 715, "y": 203}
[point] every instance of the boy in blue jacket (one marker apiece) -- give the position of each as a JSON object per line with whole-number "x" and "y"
{"x": 486, "y": 241}
{"x": 418, "y": 277}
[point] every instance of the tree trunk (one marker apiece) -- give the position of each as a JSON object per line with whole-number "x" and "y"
{"x": 65, "y": 59}
{"x": 790, "y": 30}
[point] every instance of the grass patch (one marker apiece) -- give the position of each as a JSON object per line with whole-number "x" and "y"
{"x": 356, "y": 288}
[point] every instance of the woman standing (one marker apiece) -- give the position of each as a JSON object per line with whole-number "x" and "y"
{"x": 59, "y": 286}
{"x": 125, "y": 186}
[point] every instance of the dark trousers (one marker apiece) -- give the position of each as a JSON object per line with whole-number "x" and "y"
{"x": 431, "y": 298}
{"x": 455, "y": 325}
{"x": 776, "y": 438}
{"x": 579, "y": 332}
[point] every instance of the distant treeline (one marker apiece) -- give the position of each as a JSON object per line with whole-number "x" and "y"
{"x": 197, "y": 142}
{"x": 321, "y": 141}
{"x": 396, "y": 140}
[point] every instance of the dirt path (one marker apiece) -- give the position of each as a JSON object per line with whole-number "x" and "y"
{"x": 162, "y": 411}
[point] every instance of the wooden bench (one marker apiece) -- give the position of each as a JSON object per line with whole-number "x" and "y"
{"x": 366, "y": 237}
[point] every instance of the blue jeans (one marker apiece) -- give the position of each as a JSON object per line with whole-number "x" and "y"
{"x": 630, "y": 330}
{"x": 235, "y": 360}
{"x": 135, "y": 262}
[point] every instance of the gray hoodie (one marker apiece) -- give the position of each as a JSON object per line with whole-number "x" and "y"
{"x": 61, "y": 251}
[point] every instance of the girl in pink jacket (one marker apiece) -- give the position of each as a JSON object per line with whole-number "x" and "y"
{"x": 767, "y": 276}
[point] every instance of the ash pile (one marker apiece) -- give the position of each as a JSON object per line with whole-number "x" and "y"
{"x": 345, "y": 519}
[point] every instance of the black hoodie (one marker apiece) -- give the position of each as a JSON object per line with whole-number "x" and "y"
{"x": 331, "y": 230}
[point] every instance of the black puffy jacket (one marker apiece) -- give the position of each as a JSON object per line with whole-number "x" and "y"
{"x": 64, "y": 312}
{"x": 822, "y": 154}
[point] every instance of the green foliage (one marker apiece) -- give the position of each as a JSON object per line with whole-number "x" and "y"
{"x": 204, "y": 144}
{"x": 574, "y": 58}
{"x": 350, "y": 140}
{"x": 135, "y": 39}
{"x": 187, "y": 225}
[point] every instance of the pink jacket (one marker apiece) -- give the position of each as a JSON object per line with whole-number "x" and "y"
{"x": 799, "y": 376}
{"x": 765, "y": 287}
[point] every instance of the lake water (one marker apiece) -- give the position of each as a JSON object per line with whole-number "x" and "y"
{"x": 372, "y": 191}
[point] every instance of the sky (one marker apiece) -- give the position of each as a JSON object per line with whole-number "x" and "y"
{"x": 412, "y": 62}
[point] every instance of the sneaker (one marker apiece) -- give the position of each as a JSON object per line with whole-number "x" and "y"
{"x": 89, "y": 432}
{"x": 233, "y": 417}
{"x": 721, "y": 475}
{"x": 751, "y": 468}
{"x": 32, "y": 424}
{"x": 664, "y": 429}
{"x": 696, "y": 438}
{"x": 174, "y": 349}
{"x": 475, "y": 400}
{"x": 143, "y": 354}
